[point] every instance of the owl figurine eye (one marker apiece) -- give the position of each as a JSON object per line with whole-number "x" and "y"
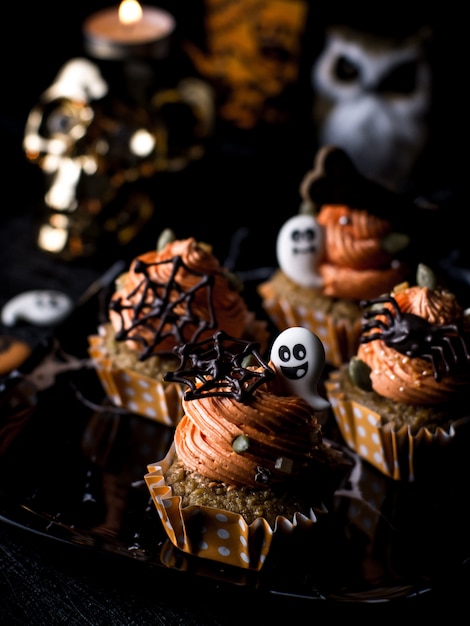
{"x": 345, "y": 70}
{"x": 402, "y": 79}
{"x": 372, "y": 97}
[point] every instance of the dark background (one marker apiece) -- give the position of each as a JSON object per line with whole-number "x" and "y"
{"x": 39, "y": 37}
{"x": 249, "y": 184}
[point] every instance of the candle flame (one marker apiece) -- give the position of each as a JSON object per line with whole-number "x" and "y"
{"x": 130, "y": 12}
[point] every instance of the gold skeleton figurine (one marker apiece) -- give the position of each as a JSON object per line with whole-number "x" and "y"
{"x": 94, "y": 149}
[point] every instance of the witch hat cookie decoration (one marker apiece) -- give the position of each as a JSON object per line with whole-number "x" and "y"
{"x": 334, "y": 179}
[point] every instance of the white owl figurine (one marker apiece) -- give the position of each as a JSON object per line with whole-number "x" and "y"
{"x": 372, "y": 97}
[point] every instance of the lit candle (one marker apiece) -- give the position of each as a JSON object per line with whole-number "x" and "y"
{"x": 128, "y": 31}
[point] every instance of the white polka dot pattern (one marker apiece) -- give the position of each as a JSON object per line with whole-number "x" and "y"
{"x": 396, "y": 453}
{"x": 211, "y": 533}
{"x": 157, "y": 400}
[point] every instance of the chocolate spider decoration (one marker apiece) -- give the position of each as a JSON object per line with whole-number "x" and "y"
{"x": 217, "y": 367}
{"x": 442, "y": 345}
{"x": 167, "y": 302}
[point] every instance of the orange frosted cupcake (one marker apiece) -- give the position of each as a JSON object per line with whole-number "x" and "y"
{"x": 248, "y": 459}
{"x": 169, "y": 296}
{"x": 339, "y": 249}
{"x": 404, "y": 396}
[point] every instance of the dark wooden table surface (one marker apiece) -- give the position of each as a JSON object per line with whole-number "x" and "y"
{"x": 46, "y": 584}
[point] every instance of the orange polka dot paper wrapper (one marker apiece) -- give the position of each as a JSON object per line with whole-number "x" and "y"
{"x": 340, "y": 338}
{"x": 212, "y": 533}
{"x": 157, "y": 400}
{"x": 397, "y": 453}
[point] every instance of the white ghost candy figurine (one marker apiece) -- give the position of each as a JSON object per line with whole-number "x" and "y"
{"x": 299, "y": 356}
{"x": 41, "y": 307}
{"x": 299, "y": 247}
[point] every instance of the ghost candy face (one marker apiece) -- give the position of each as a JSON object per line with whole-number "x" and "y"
{"x": 299, "y": 247}
{"x": 298, "y": 356}
{"x": 41, "y": 307}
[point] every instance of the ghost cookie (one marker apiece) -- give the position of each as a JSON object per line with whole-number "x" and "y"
{"x": 41, "y": 307}
{"x": 299, "y": 356}
{"x": 299, "y": 248}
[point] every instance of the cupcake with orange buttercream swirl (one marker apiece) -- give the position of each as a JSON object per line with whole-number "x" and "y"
{"x": 177, "y": 293}
{"x": 248, "y": 458}
{"x": 405, "y": 392}
{"x": 342, "y": 247}
{"x": 356, "y": 263}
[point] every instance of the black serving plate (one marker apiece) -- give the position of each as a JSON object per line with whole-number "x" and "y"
{"x": 72, "y": 470}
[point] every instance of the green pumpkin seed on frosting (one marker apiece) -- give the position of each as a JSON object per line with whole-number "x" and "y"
{"x": 425, "y": 277}
{"x": 240, "y": 444}
{"x": 360, "y": 374}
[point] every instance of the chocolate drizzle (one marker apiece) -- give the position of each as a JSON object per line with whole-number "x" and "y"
{"x": 164, "y": 308}
{"x": 216, "y": 367}
{"x": 442, "y": 345}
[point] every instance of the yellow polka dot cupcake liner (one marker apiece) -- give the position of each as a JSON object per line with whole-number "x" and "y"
{"x": 212, "y": 533}
{"x": 157, "y": 400}
{"x": 340, "y": 338}
{"x": 397, "y": 453}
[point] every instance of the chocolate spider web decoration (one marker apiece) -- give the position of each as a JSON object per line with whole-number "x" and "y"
{"x": 216, "y": 367}
{"x": 161, "y": 306}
